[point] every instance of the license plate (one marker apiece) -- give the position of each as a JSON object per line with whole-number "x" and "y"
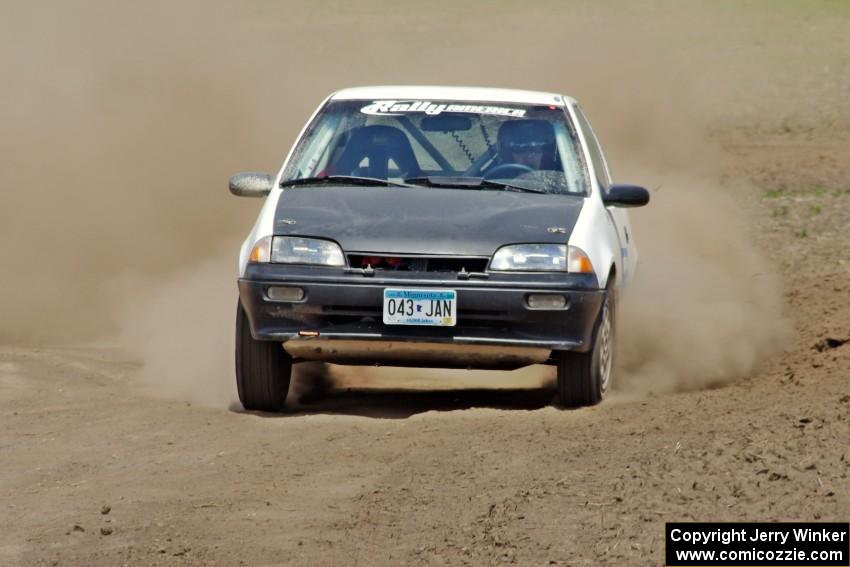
{"x": 420, "y": 307}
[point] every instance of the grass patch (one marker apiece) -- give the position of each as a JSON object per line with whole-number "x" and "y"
{"x": 780, "y": 212}
{"x": 802, "y": 233}
{"x": 774, "y": 193}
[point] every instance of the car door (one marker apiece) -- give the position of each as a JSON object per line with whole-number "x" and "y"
{"x": 619, "y": 215}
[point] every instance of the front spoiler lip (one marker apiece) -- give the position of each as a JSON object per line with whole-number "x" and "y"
{"x": 361, "y": 351}
{"x": 460, "y": 340}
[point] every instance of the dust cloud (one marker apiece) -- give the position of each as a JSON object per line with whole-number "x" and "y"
{"x": 123, "y": 122}
{"x": 705, "y": 308}
{"x": 181, "y": 327}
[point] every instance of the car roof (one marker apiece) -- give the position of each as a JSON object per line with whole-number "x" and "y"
{"x": 451, "y": 93}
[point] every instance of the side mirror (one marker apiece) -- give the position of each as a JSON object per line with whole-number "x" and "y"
{"x": 251, "y": 184}
{"x": 625, "y": 196}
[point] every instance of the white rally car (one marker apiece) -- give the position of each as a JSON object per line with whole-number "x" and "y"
{"x": 436, "y": 226}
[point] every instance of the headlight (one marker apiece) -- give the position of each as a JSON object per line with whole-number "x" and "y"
{"x": 541, "y": 257}
{"x": 530, "y": 258}
{"x": 296, "y": 250}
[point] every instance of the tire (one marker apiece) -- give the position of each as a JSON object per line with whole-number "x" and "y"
{"x": 263, "y": 369}
{"x": 584, "y": 377}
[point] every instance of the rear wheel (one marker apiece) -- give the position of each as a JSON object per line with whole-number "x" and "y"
{"x": 584, "y": 377}
{"x": 263, "y": 369}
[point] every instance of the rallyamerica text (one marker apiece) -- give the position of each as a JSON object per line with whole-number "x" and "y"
{"x": 756, "y": 534}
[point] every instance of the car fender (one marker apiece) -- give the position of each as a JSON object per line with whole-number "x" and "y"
{"x": 596, "y": 235}
{"x": 264, "y": 226}
{"x": 628, "y": 250}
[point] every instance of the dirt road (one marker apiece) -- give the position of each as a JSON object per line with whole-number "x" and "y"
{"x": 447, "y": 477}
{"x": 97, "y": 471}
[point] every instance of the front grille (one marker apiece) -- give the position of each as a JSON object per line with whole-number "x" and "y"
{"x": 418, "y": 263}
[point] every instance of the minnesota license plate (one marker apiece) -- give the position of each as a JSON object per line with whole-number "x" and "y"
{"x": 420, "y": 307}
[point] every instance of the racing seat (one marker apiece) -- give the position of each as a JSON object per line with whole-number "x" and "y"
{"x": 379, "y": 145}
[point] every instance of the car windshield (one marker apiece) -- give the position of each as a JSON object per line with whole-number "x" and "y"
{"x": 443, "y": 144}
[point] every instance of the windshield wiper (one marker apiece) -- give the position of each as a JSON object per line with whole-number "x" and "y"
{"x": 345, "y": 179}
{"x": 469, "y": 183}
{"x": 489, "y": 183}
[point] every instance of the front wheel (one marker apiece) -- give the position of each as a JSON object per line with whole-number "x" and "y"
{"x": 584, "y": 377}
{"x": 263, "y": 369}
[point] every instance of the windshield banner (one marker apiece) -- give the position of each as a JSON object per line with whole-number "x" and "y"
{"x": 398, "y": 107}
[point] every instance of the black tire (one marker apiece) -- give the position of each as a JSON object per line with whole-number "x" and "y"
{"x": 582, "y": 379}
{"x": 263, "y": 369}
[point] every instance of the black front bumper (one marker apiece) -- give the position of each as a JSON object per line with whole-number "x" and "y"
{"x": 492, "y": 311}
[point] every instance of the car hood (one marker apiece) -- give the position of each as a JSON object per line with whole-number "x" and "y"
{"x": 427, "y": 220}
